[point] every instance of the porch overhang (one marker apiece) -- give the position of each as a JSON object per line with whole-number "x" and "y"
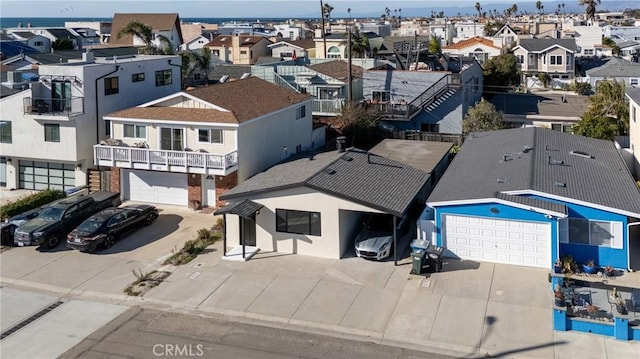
{"x": 245, "y": 208}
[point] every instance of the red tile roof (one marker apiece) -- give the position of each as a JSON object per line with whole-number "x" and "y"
{"x": 471, "y": 42}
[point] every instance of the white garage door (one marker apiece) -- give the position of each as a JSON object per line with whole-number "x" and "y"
{"x": 499, "y": 241}
{"x": 155, "y": 187}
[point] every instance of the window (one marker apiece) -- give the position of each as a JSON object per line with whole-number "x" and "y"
{"x": 301, "y": 112}
{"x": 299, "y": 222}
{"x": 555, "y": 59}
{"x": 633, "y": 114}
{"x": 380, "y": 95}
{"x": 5, "y": 131}
{"x": 163, "y": 77}
{"x": 286, "y": 54}
{"x": 197, "y": 77}
{"x": 588, "y": 52}
{"x": 51, "y": 132}
{"x": 137, "y": 77}
{"x": 243, "y": 52}
{"x": 561, "y": 127}
{"x": 107, "y": 128}
{"x": 633, "y": 82}
{"x": 215, "y": 52}
{"x": 135, "y": 131}
{"x": 595, "y": 233}
{"x": 38, "y": 43}
{"x": 213, "y": 135}
{"x": 111, "y": 85}
{"x": 520, "y": 59}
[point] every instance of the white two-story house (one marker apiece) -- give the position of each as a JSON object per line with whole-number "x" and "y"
{"x": 188, "y": 148}
{"x": 554, "y": 57}
{"x": 49, "y": 129}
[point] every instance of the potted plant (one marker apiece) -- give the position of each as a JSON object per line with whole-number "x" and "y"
{"x": 593, "y": 311}
{"x": 557, "y": 266}
{"x": 559, "y": 297}
{"x": 589, "y": 267}
{"x": 608, "y": 271}
{"x": 619, "y": 302}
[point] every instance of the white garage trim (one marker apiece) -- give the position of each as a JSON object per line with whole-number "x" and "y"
{"x": 498, "y": 240}
{"x": 155, "y": 187}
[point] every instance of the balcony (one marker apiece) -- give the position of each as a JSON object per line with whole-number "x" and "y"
{"x": 328, "y": 107}
{"x": 54, "y": 106}
{"x": 167, "y": 161}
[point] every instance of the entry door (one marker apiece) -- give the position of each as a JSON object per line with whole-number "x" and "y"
{"x": 61, "y": 96}
{"x": 248, "y": 231}
{"x": 208, "y": 191}
{"x": 172, "y": 139}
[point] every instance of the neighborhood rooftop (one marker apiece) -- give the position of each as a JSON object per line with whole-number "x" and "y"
{"x": 540, "y": 160}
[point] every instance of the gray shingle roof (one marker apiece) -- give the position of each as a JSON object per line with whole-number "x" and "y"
{"x": 535, "y": 45}
{"x": 541, "y": 104}
{"x": 245, "y": 208}
{"x": 532, "y": 202}
{"x": 491, "y": 162}
{"x": 633, "y": 93}
{"x": 616, "y": 67}
{"x": 356, "y": 175}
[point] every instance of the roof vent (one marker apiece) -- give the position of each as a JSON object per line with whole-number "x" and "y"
{"x": 347, "y": 158}
{"x": 329, "y": 171}
{"x": 224, "y": 78}
{"x": 555, "y": 162}
{"x": 526, "y": 149}
{"x": 581, "y": 154}
{"x": 506, "y": 157}
{"x": 502, "y": 179}
{"x": 245, "y": 75}
{"x": 559, "y": 184}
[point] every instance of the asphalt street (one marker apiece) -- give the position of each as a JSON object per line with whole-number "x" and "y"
{"x": 145, "y": 333}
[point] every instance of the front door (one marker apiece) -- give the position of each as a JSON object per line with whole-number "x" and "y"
{"x": 248, "y": 231}
{"x": 208, "y": 191}
{"x": 172, "y": 139}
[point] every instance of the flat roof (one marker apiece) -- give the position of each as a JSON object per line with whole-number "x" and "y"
{"x": 423, "y": 155}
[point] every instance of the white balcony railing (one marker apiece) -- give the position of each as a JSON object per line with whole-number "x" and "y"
{"x": 331, "y": 107}
{"x": 161, "y": 160}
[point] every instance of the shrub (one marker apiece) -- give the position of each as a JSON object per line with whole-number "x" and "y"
{"x": 193, "y": 247}
{"x": 30, "y": 202}
{"x": 581, "y": 88}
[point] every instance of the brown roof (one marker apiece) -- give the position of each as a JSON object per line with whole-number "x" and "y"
{"x": 337, "y": 69}
{"x": 176, "y": 114}
{"x": 470, "y": 42}
{"x": 158, "y": 22}
{"x": 305, "y": 44}
{"x": 249, "y": 98}
{"x": 226, "y": 40}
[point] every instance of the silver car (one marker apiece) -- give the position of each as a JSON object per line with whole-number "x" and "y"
{"x": 375, "y": 240}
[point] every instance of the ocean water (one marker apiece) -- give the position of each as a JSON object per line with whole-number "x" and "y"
{"x": 6, "y": 22}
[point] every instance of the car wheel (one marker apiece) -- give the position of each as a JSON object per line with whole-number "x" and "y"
{"x": 150, "y": 219}
{"x": 52, "y": 241}
{"x": 108, "y": 242}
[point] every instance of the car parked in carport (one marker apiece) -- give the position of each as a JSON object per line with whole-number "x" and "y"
{"x": 375, "y": 240}
{"x": 105, "y": 227}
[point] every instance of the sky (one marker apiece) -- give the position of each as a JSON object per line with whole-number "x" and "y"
{"x": 215, "y": 8}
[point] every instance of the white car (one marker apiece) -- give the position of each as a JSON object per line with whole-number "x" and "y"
{"x": 375, "y": 240}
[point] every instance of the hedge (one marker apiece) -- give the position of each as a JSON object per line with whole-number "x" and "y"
{"x": 30, "y": 202}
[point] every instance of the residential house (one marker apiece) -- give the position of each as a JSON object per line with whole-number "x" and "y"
{"x": 38, "y": 42}
{"x": 553, "y": 57}
{"x": 51, "y": 33}
{"x": 480, "y": 48}
{"x": 290, "y": 32}
{"x": 87, "y": 37}
{"x": 225, "y": 72}
{"x": 101, "y": 28}
{"x": 445, "y": 31}
{"x": 629, "y": 49}
{"x": 558, "y": 112}
{"x": 326, "y": 81}
{"x": 166, "y": 25}
{"x": 508, "y": 36}
{"x": 189, "y": 147}
{"x": 336, "y": 45}
{"x": 588, "y": 39}
{"x": 314, "y": 204}
{"x": 378, "y": 28}
{"x": 198, "y": 42}
{"x": 192, "y": 30}
{"x": 239, "y": 49}
{"x": 50, "y": 128}
{"x": 536, "y": 195}
{"x": 613, "y": 68}
{"x": 466, "y": 30}
{"x": 285, "y": 49}
{"x": 432, "y": 101}
{"x": 621, "y": 34}
{"x": 633, "y": 95}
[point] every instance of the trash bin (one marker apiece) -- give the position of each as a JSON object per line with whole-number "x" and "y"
{"x": 434, "y": 257}
{"x": 418, "y": 261}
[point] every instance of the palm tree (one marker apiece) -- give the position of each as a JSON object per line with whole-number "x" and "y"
{"x": 349, "y": 11}
{"x": 539, "y": 6}
{"x": 514, "y": 9}
{"x": 145, "y": 33}
{"x": 202, "y": 61}
{"x": 326, "y": 15}
{"x": 591, "y": 7}
{"x": 478, "y": 8}
{"x": 359, "y": 43}
{"x": 562, "y": 8}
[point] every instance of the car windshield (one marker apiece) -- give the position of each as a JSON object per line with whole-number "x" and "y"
{"x": 380, "y": 223}
{"x": 51, "y": 214}
{"x": 90, "y": 225}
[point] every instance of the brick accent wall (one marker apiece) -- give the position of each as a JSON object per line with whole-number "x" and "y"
{"x": 115, "y": 179}
{"x": 194, "y": 190}
{"x": 223, "y": 184}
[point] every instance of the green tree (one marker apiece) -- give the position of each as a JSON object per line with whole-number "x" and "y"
{"x": 202, "y": 62}
{"x": 359, "y": 43}
{"x": 360, "y": 125}
{"x": 615, "y": 49}
{"x": 62, "y": 44}
{"x": 591, "y": 5}
{"x": 145, "y": 33}
{"x": 607, "y": 114}
{"x": 539, "y": 6}
{"x": 500, "y": 72}
{"x": 478, "y": 8}
{"x": 434, "y": 46}
{"x": 482, "y": 117}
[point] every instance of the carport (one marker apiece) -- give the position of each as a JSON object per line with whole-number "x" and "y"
{"x": 246, "y": 210}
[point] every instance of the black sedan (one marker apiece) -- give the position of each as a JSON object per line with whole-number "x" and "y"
{"x": 105, "y": 227}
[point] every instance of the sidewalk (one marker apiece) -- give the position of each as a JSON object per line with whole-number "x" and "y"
{"x": 472, "y": 309}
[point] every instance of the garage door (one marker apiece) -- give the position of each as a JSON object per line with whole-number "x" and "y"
{"x": 499, "y": 241}
{"x": 155, "y": 187}
{"x": 44, "y": 175}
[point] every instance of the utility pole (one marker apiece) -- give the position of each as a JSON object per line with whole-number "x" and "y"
{"x": 417, "y": 50}
{"x": 324, "y": 38}
{"x": 349, "y": 73}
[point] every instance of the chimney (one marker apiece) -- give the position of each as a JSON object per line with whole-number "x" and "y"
{"x": 88, "y": 56}
{"x": 340, "y": 141}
